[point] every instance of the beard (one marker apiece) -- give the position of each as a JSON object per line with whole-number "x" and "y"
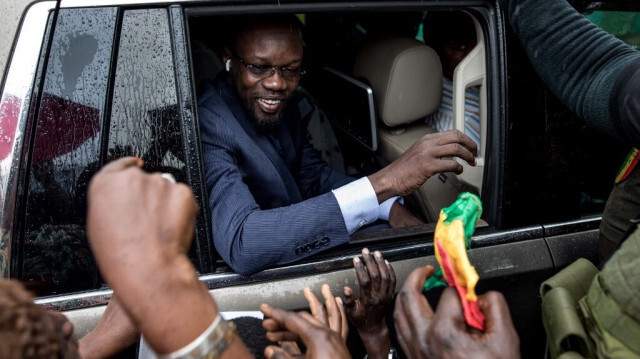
{"x": 263, "y": 123}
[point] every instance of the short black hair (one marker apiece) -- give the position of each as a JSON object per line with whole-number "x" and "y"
{"x": 238, "y": 25}
{"x": 440, "y": 27}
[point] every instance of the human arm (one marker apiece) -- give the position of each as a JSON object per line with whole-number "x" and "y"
{"x": 132, "y": 214}
{"x": 294, "y": 231}
{"x": 114, "y": 333}
{"x": 583, "y": 65}
{"x": 423, "y": 333}
{"x": 377, "y": 282}
{"x": 250, "y": 200}
{"x": 317, "y": 177}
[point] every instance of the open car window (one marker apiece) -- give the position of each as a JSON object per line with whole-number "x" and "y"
{"x": 333, "y": 45}
{"x": 337, "y": 44}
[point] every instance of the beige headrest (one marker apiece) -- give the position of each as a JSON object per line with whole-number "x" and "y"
{"x": 406, "y": 78}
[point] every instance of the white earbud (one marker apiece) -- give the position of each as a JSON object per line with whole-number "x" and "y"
{"x": 227, "y": 65}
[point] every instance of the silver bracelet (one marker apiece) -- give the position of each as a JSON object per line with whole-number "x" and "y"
{"x": 210, "y": 344}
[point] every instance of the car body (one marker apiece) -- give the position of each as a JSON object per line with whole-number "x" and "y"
{"x": 92, "y": 80}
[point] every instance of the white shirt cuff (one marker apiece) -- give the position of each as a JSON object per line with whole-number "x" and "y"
{"x": 358, "y": 203}
{"x": 385, "y": 207}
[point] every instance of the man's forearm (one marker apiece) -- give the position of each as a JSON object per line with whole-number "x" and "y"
{"x": 176, "y": 308}
{"x": 294, "y": 232}
{"x": 377, "y": 342}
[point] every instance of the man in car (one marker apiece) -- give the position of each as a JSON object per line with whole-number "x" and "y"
{"x": 273, "y": 200}
{"x": 452, "y": 35}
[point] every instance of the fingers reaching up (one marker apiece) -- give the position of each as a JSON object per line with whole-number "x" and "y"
{"x": 367, "y": 313}
{"x": 423, "y": 333}
{"x": 325, "y": 319}
{"x": 320, "y": 340}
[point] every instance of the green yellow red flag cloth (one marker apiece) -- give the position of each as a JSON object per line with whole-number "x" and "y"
{"x": 628, "y": 165}
{"x": 451, "y": 240}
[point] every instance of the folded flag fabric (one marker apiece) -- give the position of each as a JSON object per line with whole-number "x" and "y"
{"x": 451, "y": 240}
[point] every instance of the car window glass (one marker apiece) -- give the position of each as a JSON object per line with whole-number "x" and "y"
{"x": 144, "y": 119}
{"x": 56, "y": 255}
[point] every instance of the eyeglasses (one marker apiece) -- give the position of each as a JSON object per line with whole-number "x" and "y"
{"x": 265, "y": 71}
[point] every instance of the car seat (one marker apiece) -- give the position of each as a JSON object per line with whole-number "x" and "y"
{"x": 406, "y": 77}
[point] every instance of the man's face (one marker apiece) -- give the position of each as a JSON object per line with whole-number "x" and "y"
{"x": 264, "y": 96}
{"x": 454, "y": 52}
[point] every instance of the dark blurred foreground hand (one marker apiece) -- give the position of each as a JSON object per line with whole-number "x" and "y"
{"x": 322, "y": 341}
{"x": 444, "y": 334}
{"x": 377, "y": 286}
{"x": 331, "y": 315}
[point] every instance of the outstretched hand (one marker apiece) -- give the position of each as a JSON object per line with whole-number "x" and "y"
{"x": 431, "y": 154}
{"x": 321, "y": 340}
{"x": 331, "y": 314}
{"x": 377, "y": 285}
{"x": 444, "y": 334}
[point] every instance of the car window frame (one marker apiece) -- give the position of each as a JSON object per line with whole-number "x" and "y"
{"x": 39, "y": 19}
{"x": 486, "y": 14}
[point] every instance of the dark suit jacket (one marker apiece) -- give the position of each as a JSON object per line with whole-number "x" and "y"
{"x": 269, "y": 194}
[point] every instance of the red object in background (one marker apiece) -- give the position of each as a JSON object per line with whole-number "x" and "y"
{"x": 62, "y": 127}
{"x": 9, "y": 113}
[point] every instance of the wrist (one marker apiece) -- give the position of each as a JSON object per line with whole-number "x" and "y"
{"x": 374, "y": 330}
{"x": 182, "y": 310}
{"x": 117, "y": 265}
{"x": 389, "y": 208}
{"x": 215, "y": 340}
{"x": 376, "y": 341}
{"x": 162, "y": 279}
{"x": 87, "y": 348}
{"x": 381, "y": 185}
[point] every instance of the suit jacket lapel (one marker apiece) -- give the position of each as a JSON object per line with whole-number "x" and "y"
{"x": 261, "y": 140}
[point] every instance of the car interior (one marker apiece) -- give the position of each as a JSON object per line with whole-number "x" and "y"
{"x": 375, "y": 81}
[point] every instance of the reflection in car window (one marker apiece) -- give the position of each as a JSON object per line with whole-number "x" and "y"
{"x": 144, "y": 118}
{"x": 56, "y": 255}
